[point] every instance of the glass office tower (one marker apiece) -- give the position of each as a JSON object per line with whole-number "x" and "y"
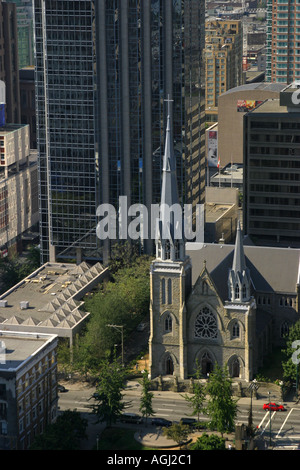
{"x": 104, "y": 69}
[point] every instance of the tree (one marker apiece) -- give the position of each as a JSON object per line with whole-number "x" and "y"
{"x": 290, "y": 352}
{"x": 206, "y": 442}
{"x": 146, "y": 398}
{"x": 196, "y": 401}
{"x": 65, "y": 434}
{"x": 178, "y": 432}
{"x": 110, "y": 383}
{"x": 221, "y": 406}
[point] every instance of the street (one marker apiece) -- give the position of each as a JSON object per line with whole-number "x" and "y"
{"x": 285, "y": 425}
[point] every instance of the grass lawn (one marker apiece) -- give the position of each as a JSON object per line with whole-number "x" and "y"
{"x": 119, "y": 439}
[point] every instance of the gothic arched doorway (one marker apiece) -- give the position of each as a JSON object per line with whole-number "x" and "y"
{"x": 235, "y": 368}
{"x": 206, "y": 364}
{"x": 169, "y": 366}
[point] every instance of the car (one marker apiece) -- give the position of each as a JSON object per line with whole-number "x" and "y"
{"x": 273, "y": 407}
{"x": 191, "y": 422}
{"x": 61, "y": 388}
{"x": 131, "y": 418}
{"x": 161, "y": 422}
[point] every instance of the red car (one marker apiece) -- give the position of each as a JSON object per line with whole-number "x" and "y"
{"x": 273, "y": 407}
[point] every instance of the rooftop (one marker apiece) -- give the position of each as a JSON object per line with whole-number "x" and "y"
{"x": 17, "y": 348}
{"x": 50, "y": 299}
{"x": 272, "y": 269}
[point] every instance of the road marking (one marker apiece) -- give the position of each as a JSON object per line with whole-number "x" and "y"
{"x": 272, "y": 416}
{"x": 284, "y": 422}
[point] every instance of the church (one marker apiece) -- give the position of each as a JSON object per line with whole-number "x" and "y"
{"x": 211, "y": 304}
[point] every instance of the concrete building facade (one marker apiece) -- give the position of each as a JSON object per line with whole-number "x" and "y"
{"x": 233, "y": 105}
{"x": 28, "y": 387}
{"x": 19, "y": 192}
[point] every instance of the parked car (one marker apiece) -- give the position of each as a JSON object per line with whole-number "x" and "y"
{"x": 161, "y": 422}
{"x": 131, "y": 418}
{"x": 191, "y": 422}
{"x": 273, "y": 407}
{"x": 61, "y": 388}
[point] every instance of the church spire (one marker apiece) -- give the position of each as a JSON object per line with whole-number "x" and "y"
{"x": 239, "y": 275}
{"x": 169, "y": 239}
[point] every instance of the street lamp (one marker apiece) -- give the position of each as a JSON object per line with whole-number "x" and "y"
{"x": 252, "y": 386}
{"x": 119, "y": 328}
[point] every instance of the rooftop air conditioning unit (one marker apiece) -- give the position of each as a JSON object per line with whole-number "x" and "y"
{"x": 3, "y": 303}
{"x": 24, "y": 305}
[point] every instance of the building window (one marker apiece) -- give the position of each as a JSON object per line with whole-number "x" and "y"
{"x": 163, "y": 291}
{"x": 284, "y": 329}
{"x": 169, "y": 291}
{"x": 168, "y": 323}
{"x": 236, "y": 330}
{"x": 244, "y": 291}
{"x": 237, "y": 291}
{"x": 206, "y": 324}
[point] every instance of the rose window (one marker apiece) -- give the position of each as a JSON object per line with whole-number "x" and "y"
{"x": 206, "y": 324}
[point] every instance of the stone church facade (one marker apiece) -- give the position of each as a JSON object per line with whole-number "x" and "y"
{"x": 229, "y": 305}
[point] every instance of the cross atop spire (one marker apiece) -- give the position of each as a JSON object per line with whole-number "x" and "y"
{"x": 169, "y": 101}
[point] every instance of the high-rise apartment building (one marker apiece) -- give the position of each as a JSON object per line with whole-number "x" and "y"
{"x": 223, "y": 61}
{"x": 283, "y": 41}
{"x": 103, "y": 72}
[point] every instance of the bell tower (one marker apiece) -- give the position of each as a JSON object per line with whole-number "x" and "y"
{"x": 170, "y": 277}
{"x": 241, "y": 306}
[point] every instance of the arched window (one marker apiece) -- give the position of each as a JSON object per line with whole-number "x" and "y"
{"x": 237, "y": 291}
{"x": 168, "y": 323}
{"x": 169, "y": 291}
{"x": 244, "y": 291}
{"x": 163, "y": 291}
{"x": 235, "y": 368}
{"x": 206, "y": 324}
{"x": 284, "y": 329}
{"x": 236, "y": 330}
{"x": 206, "y": 364}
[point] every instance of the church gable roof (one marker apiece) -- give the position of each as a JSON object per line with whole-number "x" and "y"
{"x": 271, "y": 269}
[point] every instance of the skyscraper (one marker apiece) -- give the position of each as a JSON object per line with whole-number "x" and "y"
{"x": 283, "y": 44}
{"x": 103, "y": 71}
